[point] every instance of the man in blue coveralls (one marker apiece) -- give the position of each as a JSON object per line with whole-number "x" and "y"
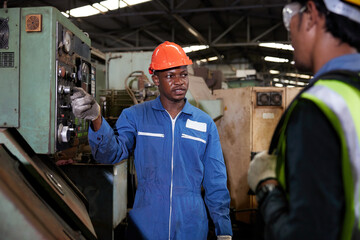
{"x": 176, "y": 150}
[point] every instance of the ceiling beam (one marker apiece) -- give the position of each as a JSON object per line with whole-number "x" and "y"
{"x": 196, "y": 10}
{"x": 230, "y": 8}
{"x": 153, "y": 35}
{"x": 267, "y": 31}
{"x": 190, "y": 29}
{"x": 228, "y": 30}
{"x": 180, "y": 4}
{"x": 219, "y": 19}
{"x": 219, "y": 45}
{"x": 81, "y": 20}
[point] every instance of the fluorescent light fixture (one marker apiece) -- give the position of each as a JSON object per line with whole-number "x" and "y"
{"x": 291, "y": 74}
{"x": 305, "y": 76}
{"x": 297, "y": 75}
{"x": 301, "y": 83}
{"x": 212, "y": 58}
{"x": 83, "y": 11}
{"x": 110, "y": 4}
{"x": 293, "y": 82}
{"x": 277, "y": 46}
{"x": 285, "y": 81}
{"x": 292, "y": 62}
{"x": 276, "y": 79}
{"x": 278, "y": 85}
{"x": 290, "y": 86}
{"x": 274, "y": 71}
{"x": 65, "y": 14}
{"x": 100, "y": 7}
{"x": 203, "y": 60}
{"x": 195, "y": 48}
{"x": 123, "y": 4}
{"x": 276, "y": 59}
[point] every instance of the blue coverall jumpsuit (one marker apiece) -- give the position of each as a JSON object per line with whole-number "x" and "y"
{"x": 173, "y": 159}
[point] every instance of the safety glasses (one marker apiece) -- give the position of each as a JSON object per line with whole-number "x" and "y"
{"x": 291, "y": 10}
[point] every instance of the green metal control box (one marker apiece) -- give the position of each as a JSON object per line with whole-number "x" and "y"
{"x": 42, "y": 57}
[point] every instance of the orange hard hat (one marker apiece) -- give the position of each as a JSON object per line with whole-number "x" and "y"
{"x": 168, "y": 55}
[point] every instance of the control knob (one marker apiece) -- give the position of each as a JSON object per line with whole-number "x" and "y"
{"x": 64, "y": 133}
{"x": 64, "y": 89}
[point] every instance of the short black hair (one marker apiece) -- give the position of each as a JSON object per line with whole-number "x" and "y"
{"x": 339, "y": 26}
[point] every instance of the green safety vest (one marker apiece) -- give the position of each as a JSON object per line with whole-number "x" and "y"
{"x": 339, "y": 100}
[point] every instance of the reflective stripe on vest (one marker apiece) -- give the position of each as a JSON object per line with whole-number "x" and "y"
{"x": 340, "y": 102}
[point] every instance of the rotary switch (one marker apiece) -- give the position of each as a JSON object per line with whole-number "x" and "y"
{"x": 64, "y": 89}
{"x": 64, "y": 133}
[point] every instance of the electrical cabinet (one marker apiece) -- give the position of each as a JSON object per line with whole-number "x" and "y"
{"x": 249, "y": 119}
{"x": 38, "y": 76}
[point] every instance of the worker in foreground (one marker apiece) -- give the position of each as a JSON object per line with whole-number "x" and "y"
{"x": 308, "y": 186}
{"x": 176, "y": 152}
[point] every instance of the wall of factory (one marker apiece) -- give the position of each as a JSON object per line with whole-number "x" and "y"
{"x": 120, "y": 65}
{"x": 229, "y": 70}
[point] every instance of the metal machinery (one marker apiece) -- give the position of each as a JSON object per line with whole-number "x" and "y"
{"x": 246, "y": 127}
{"x": 38, "y": 75}
{"x": 138, "y": 89}
{"x": 37, "y": 129}
{"x": 200, "y": 96}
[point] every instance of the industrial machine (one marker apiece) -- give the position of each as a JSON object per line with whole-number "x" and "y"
{"x": 246, "y": 127}
{"x": 137, "y": 89}
{"x": 38, "y": 75}
{"x": 38, "y": 129}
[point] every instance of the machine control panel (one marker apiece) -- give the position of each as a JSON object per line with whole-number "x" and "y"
{"x": 73, "y": 70}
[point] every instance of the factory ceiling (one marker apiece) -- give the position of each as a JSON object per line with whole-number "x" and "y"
{"x": 232, "y": 30}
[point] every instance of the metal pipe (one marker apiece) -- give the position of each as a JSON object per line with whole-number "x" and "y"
{"x": 107, "y": 68}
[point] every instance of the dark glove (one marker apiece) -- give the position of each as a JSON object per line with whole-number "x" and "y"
{"x": 83, "y": 105}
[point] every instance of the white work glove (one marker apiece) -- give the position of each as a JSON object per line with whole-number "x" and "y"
{"x": 261, "y": 167}
{"x": 84, "y": 105}
{"x": 224, "y": 237}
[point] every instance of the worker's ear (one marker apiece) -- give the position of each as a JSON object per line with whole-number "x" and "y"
{"x": 314, "y": 17}
{"x": 155, "y": 79}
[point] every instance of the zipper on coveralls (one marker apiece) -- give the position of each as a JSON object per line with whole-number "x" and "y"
{"x": 172, "y": 165}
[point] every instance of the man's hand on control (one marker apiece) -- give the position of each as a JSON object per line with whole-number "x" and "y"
{"x": 84, "y": 106}
{"x": 261, "y": 167}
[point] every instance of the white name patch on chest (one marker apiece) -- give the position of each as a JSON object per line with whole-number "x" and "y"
{"x": 199, "y": 126}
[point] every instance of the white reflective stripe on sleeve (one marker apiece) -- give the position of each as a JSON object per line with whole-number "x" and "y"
{"x": 199, "y": 126}
{"x": 193, "y": 138}
{"x": 338, "y": 105}
{"x": 151, "y": 134}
